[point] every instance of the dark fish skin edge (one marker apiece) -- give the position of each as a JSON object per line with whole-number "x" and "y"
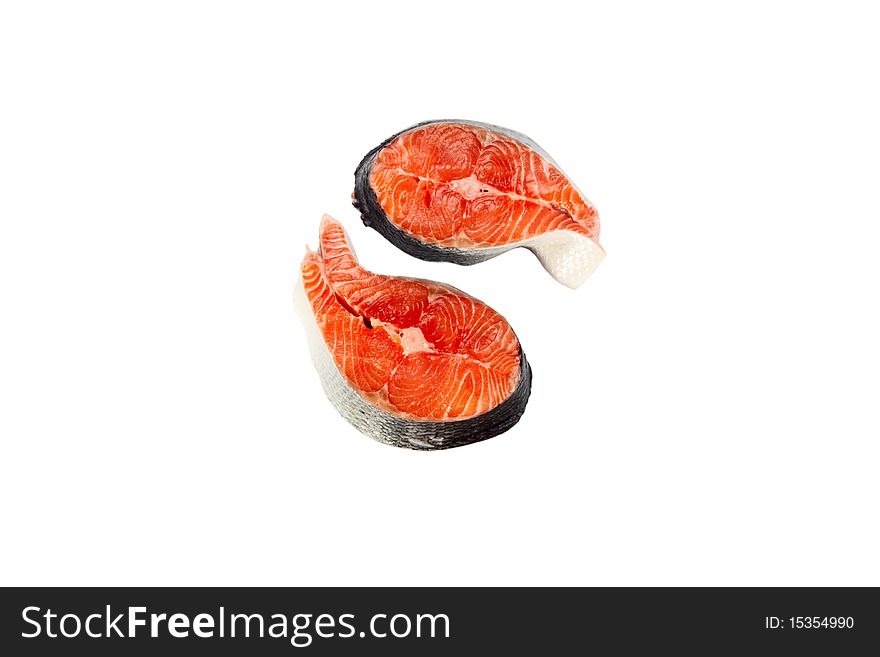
{"x": 374, "y": 216}
{"x": 457, "y": 433}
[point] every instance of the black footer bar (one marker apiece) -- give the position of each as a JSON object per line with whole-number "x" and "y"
{"x": 438, "y": 621}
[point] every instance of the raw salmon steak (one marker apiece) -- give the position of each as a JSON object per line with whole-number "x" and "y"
{"x": 464, "y": 192}
{"x": 408, "y": 362}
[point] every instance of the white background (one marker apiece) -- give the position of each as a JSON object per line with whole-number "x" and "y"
{"x": 705, "y": 407}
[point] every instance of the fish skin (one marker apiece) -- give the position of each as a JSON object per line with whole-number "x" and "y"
{"x": 567, "y": 245}
{"x": 334, "y": 291}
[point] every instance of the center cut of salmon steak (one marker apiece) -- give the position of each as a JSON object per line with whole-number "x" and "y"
{"x": 463, "y": 192}
{"x": 409, "y": 362}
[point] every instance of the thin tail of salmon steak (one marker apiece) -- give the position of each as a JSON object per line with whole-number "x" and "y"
{"x": 464, "y": 192}
{"x": 409, "y": 362}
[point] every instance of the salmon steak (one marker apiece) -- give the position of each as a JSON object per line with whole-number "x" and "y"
{"x": 409, "y": 362}
{"x": 464, "y": 192}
